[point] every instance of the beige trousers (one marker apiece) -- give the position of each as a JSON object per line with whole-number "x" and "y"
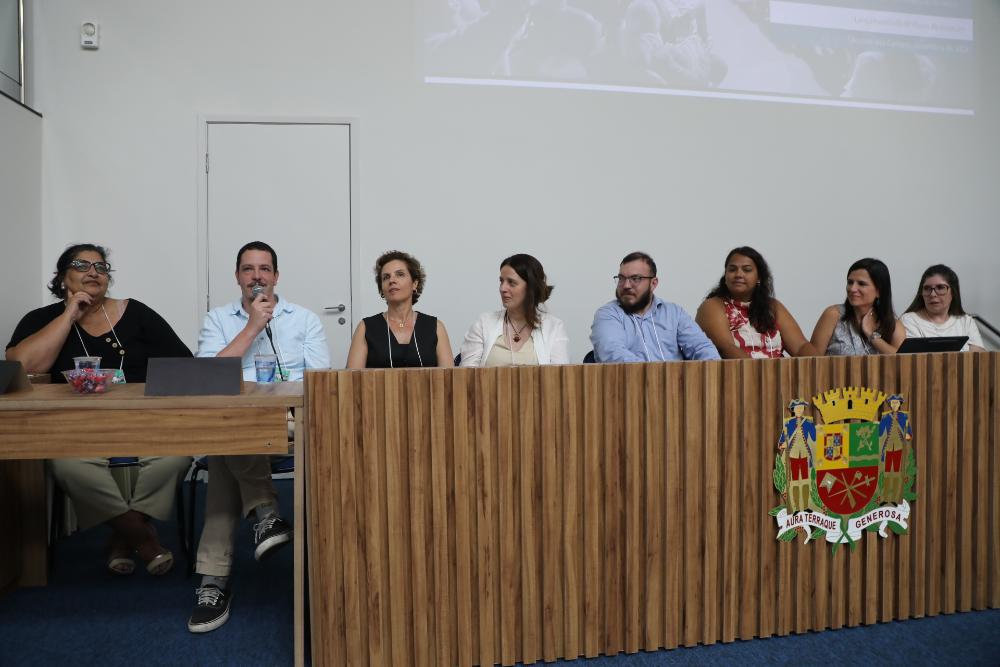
{"x": 236, "y": 485}
{"x": 97, "y": 497}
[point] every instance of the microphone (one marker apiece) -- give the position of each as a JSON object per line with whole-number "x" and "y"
{"x": 256, "y": 291}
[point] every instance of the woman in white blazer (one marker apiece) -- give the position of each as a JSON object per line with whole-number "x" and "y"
{"x": 520, "y": 333}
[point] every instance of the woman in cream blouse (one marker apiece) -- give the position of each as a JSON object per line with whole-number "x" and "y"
{"x": 520, "y": 333}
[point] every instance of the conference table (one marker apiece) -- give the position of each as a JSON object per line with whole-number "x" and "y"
{"x": 50, "y": 421}
{"x": 495, "y": 515}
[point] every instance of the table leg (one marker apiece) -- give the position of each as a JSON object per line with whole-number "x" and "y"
{"x": 298, "y": 544}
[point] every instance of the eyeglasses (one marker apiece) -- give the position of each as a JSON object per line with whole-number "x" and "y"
{"x": 83, "y": 266}
{"x": 936, "y": 289}
{"x": 632, "y": 280}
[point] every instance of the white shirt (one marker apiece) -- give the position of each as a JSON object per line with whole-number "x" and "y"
{"x": 298, "y": 336}
{"x": 962, "y": 325}
{"x": 549, "y": 338}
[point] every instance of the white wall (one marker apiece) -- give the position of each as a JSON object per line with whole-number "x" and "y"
{"x": 463, "y": 176}
{"x": 20, "y": 211}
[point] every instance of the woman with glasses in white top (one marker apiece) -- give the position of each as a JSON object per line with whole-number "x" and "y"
{"x": 521, "y": 333}
{"x": 937, "y": 311}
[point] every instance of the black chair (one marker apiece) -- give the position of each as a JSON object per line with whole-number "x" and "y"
{"x": 279, "y": 465}
{"x": 589, "y": 358}
{"x": 458, "y": 359}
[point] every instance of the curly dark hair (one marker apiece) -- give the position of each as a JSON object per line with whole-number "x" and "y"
{"x": 538, "y": 290}
{"x": 951, "y": 278}
{"x": 879, "y": 273}
{"x": 56, "y": 285}
{"x": 762, "y": 299}
{"x": 412, "y": 265}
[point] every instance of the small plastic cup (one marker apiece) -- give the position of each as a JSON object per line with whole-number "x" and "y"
{"x": 80, "y": 363}
{"x": 267, "y": 367}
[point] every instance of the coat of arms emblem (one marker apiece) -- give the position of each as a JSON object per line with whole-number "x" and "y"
{"x": 853, "y": 472}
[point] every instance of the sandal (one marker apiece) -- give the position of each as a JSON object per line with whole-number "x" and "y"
{"x": 120, "y": 559}
{"x": 159, "y": 560}
{"x": 160, "y": 564}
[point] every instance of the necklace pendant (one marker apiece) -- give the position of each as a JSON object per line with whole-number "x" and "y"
{"x": 517, "y": 339}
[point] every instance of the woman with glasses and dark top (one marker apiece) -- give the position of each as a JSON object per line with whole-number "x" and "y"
{"x": 125, "y": 333}
{"x": 865, "y": 323}
{"x": 743, "y": 318}
{"x": 520, "y": 333}
{"x": 937, "y": 311}
{"x": 400, "y": 337}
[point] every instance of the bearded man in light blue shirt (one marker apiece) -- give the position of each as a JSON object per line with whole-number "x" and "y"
{"x": 260, "y": 322}
{"x": 640, "y": 326}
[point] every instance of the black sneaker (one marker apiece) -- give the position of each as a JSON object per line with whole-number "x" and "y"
{"x": 211, "y": 609}
{"x": 271, "y": 532}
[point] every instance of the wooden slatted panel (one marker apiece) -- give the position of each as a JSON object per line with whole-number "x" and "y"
{"x": 510, "y": 533}
{"x": 529, "y": 457}
{"x": 326, "y": 414}
{"x": 655, "y": 552}
{"x": 593, "y": 552}
{"x": 466, "y": 529}
{"x": 826, "y": 563}
{"x": 421, "y": 571}
{"x": 437, "y": 536}
{"x": 776, "y": 558}
{"x": 966, "y": 480}
{"x": 552, "y": 491}
{"x": 441, "y": 449}
{"x": 981, "y": 443}
{"x": 872, "y": 572}
{"x": 735, "y": 465}
{"x": 371, "y": 387}
{"x": 714, "y": 455}
{"x": 949, "y": 408}
{"x": 811, "y": 564}
{"x": 904, "y": 549}
{"x": 694, "y": 502}
{"x": 398, "y": 518}
{"x": 993, "y": 409}
{"x": 632, "y": 451}
{"x": 614, "y": 511}
{"x": 757, "y": 498}
{"x": 936, "y": 476}
{"x": 856, "y": 558}
{"x": 573, "y": 414}
{"x": 920, "y": 525}
{"x": 837, "y": 372}
{"x": 674, "y": 509}
{"x": 488, "y": 517}
{"x": 353, "y": 522}
{"x": 794, "y": 383}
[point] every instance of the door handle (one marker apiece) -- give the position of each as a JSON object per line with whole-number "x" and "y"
{"x": 339, "y": 308}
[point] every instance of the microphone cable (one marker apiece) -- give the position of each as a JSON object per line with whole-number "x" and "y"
{"x": 256, "y": 291}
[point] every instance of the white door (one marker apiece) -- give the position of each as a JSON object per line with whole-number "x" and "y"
{"x": 289, "y": 185}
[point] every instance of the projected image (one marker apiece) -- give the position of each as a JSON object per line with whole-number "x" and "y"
{"x": 905, "y": 54}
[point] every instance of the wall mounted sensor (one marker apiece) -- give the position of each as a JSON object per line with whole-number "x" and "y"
{"x": 90, "y": 35}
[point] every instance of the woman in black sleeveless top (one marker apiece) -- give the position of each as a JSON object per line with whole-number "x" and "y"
{"x": 400, "y": 337}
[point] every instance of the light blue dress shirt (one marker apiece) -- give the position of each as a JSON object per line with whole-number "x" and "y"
{"x": 298, "y": 335}
{"x": 663, "y": 333}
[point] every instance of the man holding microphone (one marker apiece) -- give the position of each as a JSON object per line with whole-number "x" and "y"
{"x": 258, "y": 323}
